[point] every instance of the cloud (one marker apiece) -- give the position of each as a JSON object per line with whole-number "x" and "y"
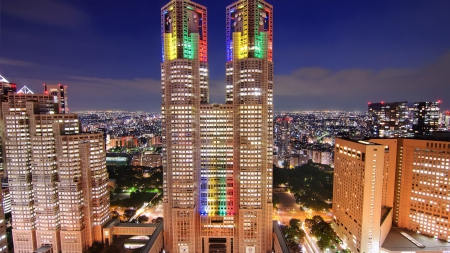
{"x": 47, "y": 12}
{"x": 17, "y": 63}
{"x": 338, "y": 87}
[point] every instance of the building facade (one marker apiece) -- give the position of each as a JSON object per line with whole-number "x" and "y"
{"x": 283, "y": 137}
{"x": 57, "y": 176}
{"x": 217, "y": 158}
{"x": 358, "y": 169}
{"x": 399, "y": 181}
{"x": 390, "y": 120}
{"x": 425, "y": 118}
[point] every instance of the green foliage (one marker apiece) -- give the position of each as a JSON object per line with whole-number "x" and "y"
{"x": 96, "y": 247}
{"x": 142, "y": 219}
{"x": 310, "y": 184}
{"x": 136, "y": 199}
{"x": 322, "y": 231}
{"x": 131, "y": 177}
{"x": 293, "y": 235}
{"x": 275, "y": 200}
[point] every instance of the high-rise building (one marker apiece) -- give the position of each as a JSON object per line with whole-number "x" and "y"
{"x": 283, "y": 137}
{"x": 389, "y": 119}
{"x": 6, "y": 88}
{"x": 358, "y": 168}
{"x": 59, "y": 93}
{"x": 57, "y": 176}
{"x": 217, "y": 157}
{"x": 422, "y": 193}
{"x": 425, "y": 118}
{"x": 398, "y": 182}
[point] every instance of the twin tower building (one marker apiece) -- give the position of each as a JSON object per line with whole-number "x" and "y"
{"x": 217, "y": 157}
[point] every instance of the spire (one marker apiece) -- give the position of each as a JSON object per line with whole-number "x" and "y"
{"x": 25, "y": 90}
{"x": 3, "y": 80}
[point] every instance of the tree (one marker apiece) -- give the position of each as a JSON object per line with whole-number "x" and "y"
{"x": 95, "y": 248}
{"x": 142, "y": 219}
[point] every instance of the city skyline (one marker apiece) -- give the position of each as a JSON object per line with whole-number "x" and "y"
{"x": 335, "y": 56}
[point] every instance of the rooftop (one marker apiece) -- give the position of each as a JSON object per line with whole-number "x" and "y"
{"x": 397, "y": 242}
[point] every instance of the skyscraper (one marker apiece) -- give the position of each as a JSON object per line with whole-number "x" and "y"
{"x": 59, "y": 93}
{"x": 57, "y": 176}
{"x": 425, "y": 118}
{"x": 283, "y": 138}
{"x": 217, "y": 158}
{"x": 389, "y": 120}
{"x": 385, "y": 182}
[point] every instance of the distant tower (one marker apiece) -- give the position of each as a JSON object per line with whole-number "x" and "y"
{"x": 283, "y": 137}
{"x": 389, "y": 119}
{"x": 425, "y": 118}
{"x": 59, "y": 93}
{"x": 6, "y": 88}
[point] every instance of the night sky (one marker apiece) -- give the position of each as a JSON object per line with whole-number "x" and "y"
{"x": 328, "y": 55}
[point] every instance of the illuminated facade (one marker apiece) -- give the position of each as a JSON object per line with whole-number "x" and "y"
{"x": 422, "y": 197}
{"x": 399, "y": 181}
{"x": 283, "y": 137}
{"x": 390, "y": 120}
{"x": 358, "y": 180}
{"x": 57, "y": 176}
{"x": 59, "y": 93}
{"x": 217, "y": 158}
{"x": 425, "y": 118}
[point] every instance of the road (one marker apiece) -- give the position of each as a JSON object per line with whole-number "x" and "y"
{"x": 288, "y": 209}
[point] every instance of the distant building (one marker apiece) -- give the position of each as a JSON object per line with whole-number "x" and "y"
{"x": 425, "y": 118}
{"x": 389, "y": 120}
{"x": 6, "y": 200}
{"x": 283, "y": 137}
{"x": 6, "y": 88}
{"x": 150, "y": 159}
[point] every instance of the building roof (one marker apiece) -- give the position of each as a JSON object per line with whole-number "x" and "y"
{"x": 43, "y": 249}
{"x": 397, "y": 242}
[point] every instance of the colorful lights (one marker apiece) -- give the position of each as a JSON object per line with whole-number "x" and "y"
{"x": 190, "y": 37}
{"x": 249, "y": 38}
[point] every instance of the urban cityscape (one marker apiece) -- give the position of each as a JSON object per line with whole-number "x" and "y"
{"x": 152, "y": 165}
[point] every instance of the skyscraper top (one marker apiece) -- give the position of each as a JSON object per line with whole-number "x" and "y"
{"x": 183, "y": 31}
{"x": 3, "y": 80}
{"x": 249, "y": 30}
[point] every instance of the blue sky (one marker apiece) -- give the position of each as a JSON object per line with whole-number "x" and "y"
{"x": 328, "y": 54}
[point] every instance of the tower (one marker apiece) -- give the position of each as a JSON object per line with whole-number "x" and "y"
{"x": 184, "y": 80}
{"x": 425, "y": 117}
{"x": 59, "y": 93}
{"x": 217, "y": 157}
{"x": 57, "y": 176}
{"x": 249, "y": 71}
{"x": 389, "y": 119}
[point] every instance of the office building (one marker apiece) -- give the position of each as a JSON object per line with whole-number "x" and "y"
{"x": 358, "y": 168}
{"x": 425, "y": 118}
{"x": 399, "y": 182}
{"x": 6, "y": 88}
{"x": 389, "y": 119}
{"x": 283, "y": 137}
{"x": 57, "y": 176}
{"x": 226, "y": 205}
{"x": 422, "y": 193}
{"x": 59, "y": 93}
